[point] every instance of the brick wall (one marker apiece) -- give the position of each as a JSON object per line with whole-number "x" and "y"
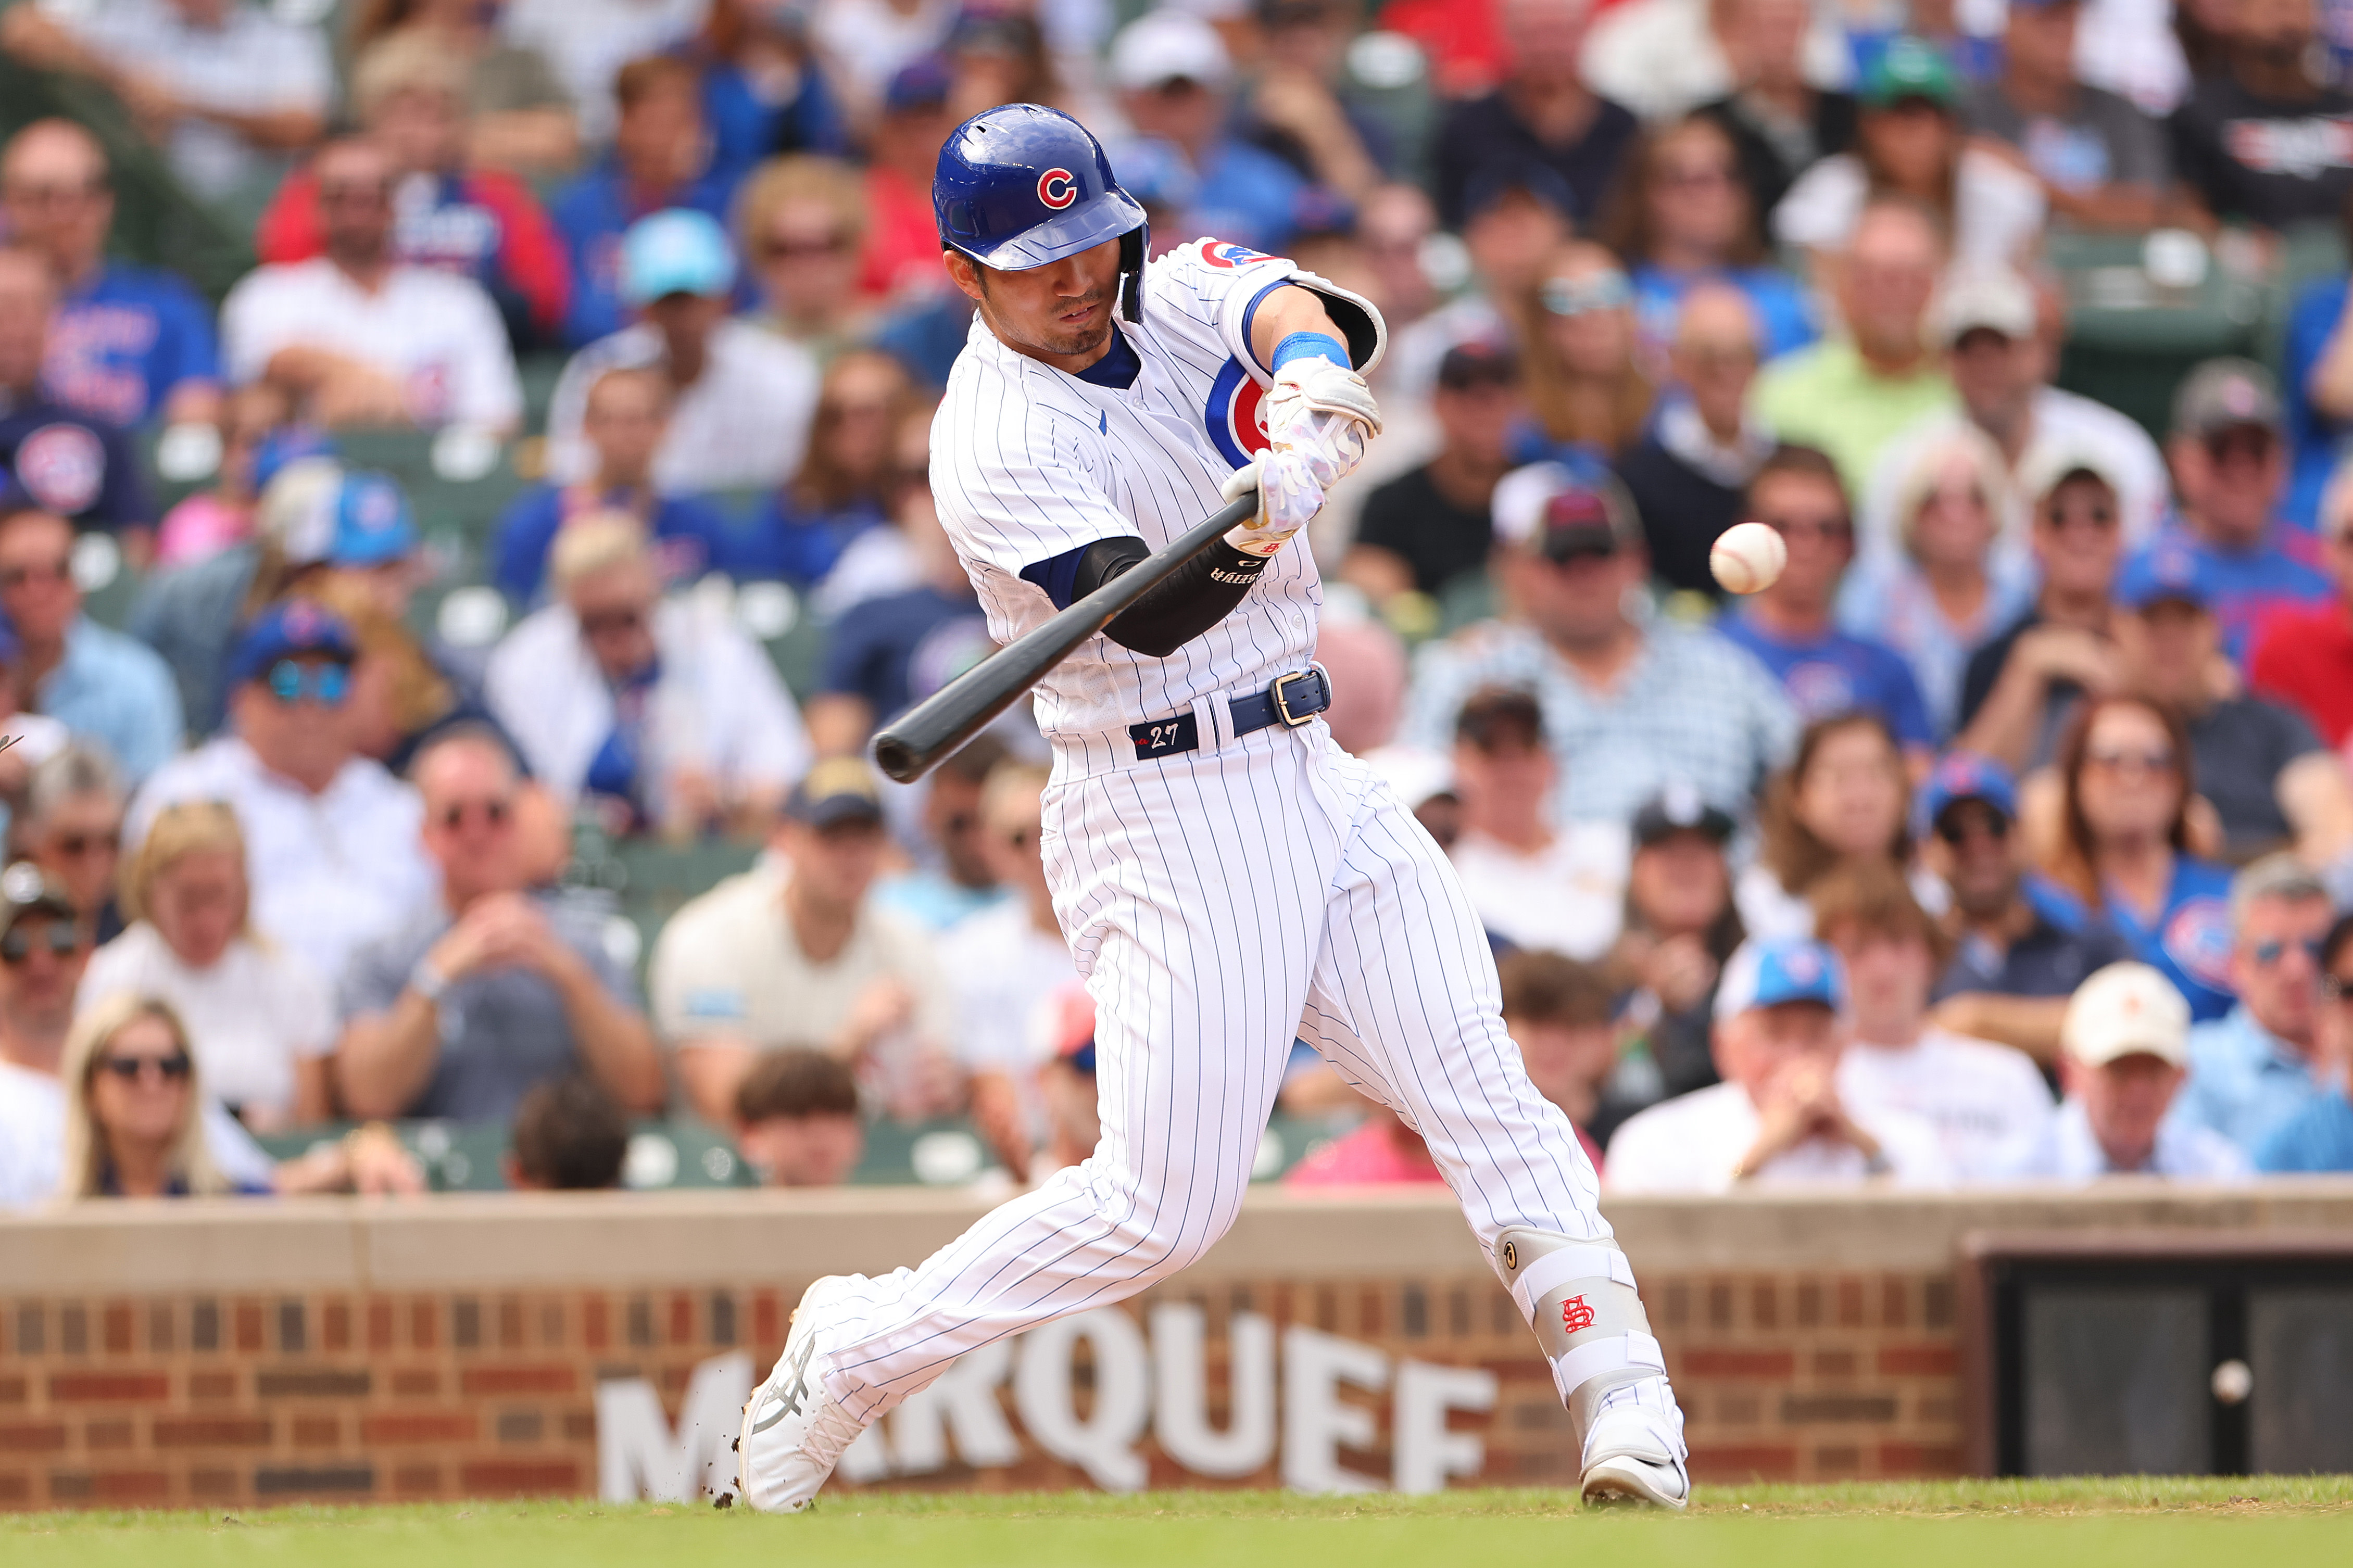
{"x": 234, "y": 1354}
{"x": 256, "y": 1398}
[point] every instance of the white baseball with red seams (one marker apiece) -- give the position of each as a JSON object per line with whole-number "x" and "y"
{"x": 1219, "y": 902}
{"x": 1748, "y": 557}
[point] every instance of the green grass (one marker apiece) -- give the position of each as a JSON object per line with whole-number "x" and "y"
{"x": 2273, "y": 1522}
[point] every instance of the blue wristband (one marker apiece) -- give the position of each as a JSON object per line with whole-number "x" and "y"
{"x": 1310, "y": 345}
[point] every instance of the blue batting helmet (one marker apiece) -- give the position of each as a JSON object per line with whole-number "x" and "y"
{"x": 1022, "y": 185}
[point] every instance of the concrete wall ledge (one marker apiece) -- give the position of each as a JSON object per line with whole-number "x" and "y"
{"x": 669, "y": 1238}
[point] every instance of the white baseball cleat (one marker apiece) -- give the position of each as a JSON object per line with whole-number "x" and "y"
{"x": 1630, "y": 1460}
{"x": 793, "y": 1430}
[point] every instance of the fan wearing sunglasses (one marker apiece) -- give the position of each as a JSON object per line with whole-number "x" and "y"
{"x": 2253, "y": 1070}
{"x": 492, "y": 987}
{"x": 1582, "y": 377}
{"x": 2320, "y": 1136}
{"x": 2228, "y": 451}
{"x": 136, "y": 1127}
{"x": 332, "y": 834}
{"x": 72, "y": 827}
{"x": 132, "y": 1123}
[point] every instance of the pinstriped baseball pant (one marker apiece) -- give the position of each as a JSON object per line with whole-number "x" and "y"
{"x": 1219, "y": 903}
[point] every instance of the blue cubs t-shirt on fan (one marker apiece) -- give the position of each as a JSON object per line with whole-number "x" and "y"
{"x": 2242, "y": 586}
{"x": 122, "y": 341}
{"x": 2189, "y": 941}
{"x": 1835, "y": 673}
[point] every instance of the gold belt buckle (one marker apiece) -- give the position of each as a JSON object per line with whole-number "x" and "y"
{"x": 1280, "y": 694}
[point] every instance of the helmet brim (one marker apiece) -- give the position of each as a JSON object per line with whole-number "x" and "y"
{"x": 1109, "y": 215}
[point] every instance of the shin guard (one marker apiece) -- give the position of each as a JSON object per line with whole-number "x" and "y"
{"x": 1579, "y": 1298}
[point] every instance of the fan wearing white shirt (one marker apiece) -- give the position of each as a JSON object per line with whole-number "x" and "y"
{"x": 1987, "y": 1103}
{"x": 260, "y": 1017}
{"x": 2001, "y": 338}
{"x": 1779, "y": 1115}
{"x": 1558, "y": 891}
{"x": 665, "y": 705}
{"x": 2124, "y": 1053}
{"x": 1005, "y": 964}
{"x": 330, "y": 843}
{"x": 741, "y": 397}
{"x": 357, "y": 338}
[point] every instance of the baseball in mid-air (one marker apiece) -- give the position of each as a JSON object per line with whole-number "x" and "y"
{"x": 1748, "y": 557}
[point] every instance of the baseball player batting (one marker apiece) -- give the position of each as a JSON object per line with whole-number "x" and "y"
{"x": 1226, "y": 876}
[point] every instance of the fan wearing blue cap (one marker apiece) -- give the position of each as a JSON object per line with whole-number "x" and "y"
{"x": 334, "y": 856}
{"x": 742, "y": 397}
{"x": 1780, "y": 1114}
{"x": 2023, "y": 944}
{"x": 2258, "y": 763}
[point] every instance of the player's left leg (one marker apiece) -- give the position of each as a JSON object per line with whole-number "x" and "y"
{"x": 1404, "y": 1003}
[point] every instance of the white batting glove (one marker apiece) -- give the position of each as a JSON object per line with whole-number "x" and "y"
{"x": 1289, "y": 497}
{"x": 1324, "y": 412}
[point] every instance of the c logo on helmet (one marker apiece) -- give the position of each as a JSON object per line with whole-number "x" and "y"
{"x": 1058, "y": 188}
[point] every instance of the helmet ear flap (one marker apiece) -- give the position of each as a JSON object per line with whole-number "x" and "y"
{"x": 1131, "y": 247}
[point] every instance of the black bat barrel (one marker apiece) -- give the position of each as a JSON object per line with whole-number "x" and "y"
{"x": 936, "y": 726}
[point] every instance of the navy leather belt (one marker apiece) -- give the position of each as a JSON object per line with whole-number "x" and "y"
{"x": 1290, "y": 700}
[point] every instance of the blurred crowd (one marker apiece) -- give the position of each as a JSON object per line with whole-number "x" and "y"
{"x": 2005, "y": 835}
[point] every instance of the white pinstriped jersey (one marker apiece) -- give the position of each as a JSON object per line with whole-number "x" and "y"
{"x": 1030, "y": 463}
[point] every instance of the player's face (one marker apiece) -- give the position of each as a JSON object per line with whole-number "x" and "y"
{"x": 1056, "y": 313}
